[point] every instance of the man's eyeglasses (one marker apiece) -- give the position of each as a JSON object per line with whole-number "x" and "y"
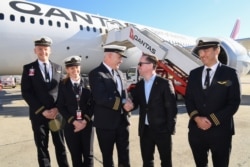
{"x": 141, "y": 63}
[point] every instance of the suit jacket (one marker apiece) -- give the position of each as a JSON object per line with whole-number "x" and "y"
{"x": 107, "y": 99}
{"x": 218, "y": 103}
{"x": 67, "y": 102}
{"x": 161, "y": 107}
{"x": 35, "y": 90}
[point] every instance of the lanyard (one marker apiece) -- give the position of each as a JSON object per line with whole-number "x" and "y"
{"x": 77, "y": 89}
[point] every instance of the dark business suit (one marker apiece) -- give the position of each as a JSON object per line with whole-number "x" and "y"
{"x": 161, "y": 112}
{"x": 218, "y": 103}
{"x": 109, "y": 119}
{"x": 79, "y": 143}
{"x": 41, "y": 96}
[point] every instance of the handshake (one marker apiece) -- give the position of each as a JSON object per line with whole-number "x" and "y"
{"x": 128, "y": 105}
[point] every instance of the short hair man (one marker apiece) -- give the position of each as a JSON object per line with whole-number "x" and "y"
{"x": 155, "y": 97}
{"x": 110, "y": 120}
{"x": 212, "y": 98}
{"x": 39, "y": 88}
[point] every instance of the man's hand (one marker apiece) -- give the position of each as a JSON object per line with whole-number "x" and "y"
{"x": 54, "y": 112}
{"x": 50, "y": 114}
{"x": 79, "y": 125}
{"x": 203, "y": 123}
{"x": 128, "y": 106}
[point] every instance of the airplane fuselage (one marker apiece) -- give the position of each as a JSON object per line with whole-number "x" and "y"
{"x": 73, "y": 33}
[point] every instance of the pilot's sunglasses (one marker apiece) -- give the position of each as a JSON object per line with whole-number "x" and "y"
{"x": 141, "y": 63}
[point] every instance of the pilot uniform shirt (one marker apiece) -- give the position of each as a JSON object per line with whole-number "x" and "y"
{"x": 48, "y": 66}
{"x": 75, "y": 82}
{"x": 116, "y": 78}
{"x": 211, "y": 74}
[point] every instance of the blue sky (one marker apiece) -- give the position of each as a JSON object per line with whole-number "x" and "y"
{"x": 189, "y": 17}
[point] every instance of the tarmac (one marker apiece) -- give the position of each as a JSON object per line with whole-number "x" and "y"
{"x": 17, "y": 148}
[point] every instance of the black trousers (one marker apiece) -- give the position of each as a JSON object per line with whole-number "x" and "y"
{"x": 108, "y": 138}
{"x": 163, "y": 141}
{"x": 80, "y": 145}
{"x": 41, "y": 137}
{"x": 218, "y": 142}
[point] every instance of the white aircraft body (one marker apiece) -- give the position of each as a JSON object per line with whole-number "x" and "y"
{"x": 79, "y": 33}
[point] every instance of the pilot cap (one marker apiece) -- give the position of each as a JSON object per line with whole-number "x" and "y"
{"x": 115, "y": 48}
{"x": 43, "y": 41}
{"x": 205, "y": 43}
{"x": 72, "y": 61}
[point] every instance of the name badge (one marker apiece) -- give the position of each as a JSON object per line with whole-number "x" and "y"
{"x": 31, "y": 72}
{"x": 78, "y": 114}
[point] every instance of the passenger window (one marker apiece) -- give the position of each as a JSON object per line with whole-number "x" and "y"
{"x": 32, "y": 20}
{"x": 88, "y": 29}
{"x": 41, "y": 21}
{"x": 66, "y": 25}
{"x": 12, "y": 17}
{"x": 81, "y": 27}
{"x": 1, "y": 16}
{"x": 58, "y": 24}
{"x": 50, "y": 23}
{"x": 22, "y": 19}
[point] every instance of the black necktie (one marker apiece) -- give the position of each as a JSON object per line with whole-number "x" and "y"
{"x": 114, "y": 77}
{"x": 47, "y": 78}
{"x": 207, "y": 79}
{"x": 112, "y": 72}
{"x": 76, "y": 88}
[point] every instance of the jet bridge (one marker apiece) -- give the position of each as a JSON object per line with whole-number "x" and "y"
{"x": 175, "y": 62}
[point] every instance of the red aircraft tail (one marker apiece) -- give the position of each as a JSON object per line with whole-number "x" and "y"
{"x": 235, "y": 30}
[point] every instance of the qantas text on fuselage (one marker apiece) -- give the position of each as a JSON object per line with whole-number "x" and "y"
{"x": 33, "y": 9}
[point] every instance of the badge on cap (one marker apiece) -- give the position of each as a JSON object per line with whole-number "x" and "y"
{"x": 115, "y": 48}
{"x": 205, "y": 43}
{"x": 43, "y": 41}
{"x": 74, "y": 60}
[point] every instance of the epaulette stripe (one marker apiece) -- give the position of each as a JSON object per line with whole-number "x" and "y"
{"x": 70, "y": 119}
{"x": 215, "y": 119}
{"x": 87, "y": 117}
{"x": 193, "y": 113}
{"x": 117, "y": 103}
{"x": 39, "y": 110}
